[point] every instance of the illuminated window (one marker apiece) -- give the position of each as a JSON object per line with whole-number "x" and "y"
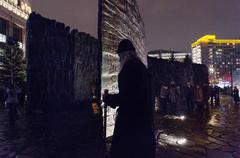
{"x": 196, "y": 54}
{"x": 3, "y": 38}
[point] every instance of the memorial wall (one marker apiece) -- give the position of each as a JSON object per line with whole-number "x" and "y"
{"x": 63, "y": 64}
{"x": 118, "y": 19}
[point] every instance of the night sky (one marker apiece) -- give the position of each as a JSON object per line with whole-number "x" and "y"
{"x": 170, "y": 24}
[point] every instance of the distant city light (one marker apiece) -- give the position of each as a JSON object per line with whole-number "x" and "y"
{"x": 12, "y": 5}
{"x": 196, "y": 55}
{"x": 219, "y": 55}
{"x": 211, "y": 70}
{"x": 182, "y": 117}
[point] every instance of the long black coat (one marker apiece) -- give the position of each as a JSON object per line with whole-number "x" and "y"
{"x": 134, "y": 132}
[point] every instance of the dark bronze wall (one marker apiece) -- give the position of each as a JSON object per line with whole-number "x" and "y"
{"x": 63, "y": 64}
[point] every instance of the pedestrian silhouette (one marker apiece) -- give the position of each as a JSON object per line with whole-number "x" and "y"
{"x": 199, "y": 99}
{"x": 2, "y": 97}
{"x": 12, "y": 102}
{"x": 134, "y": 132}
{"x": 164, "y": 98}
{"x": 173, "y": 98}
{"x": 189, "y": 96}
{"x": 236, "y": 95}
{"x": 217, "y": 96}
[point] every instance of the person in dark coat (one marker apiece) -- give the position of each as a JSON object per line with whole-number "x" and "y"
{"x": 212, "y": 94}
{"x": 189, "y": 96}
{"x": 134, "y": 131}
{"x": 236, "y": 95}
{"x": 217, "y": 96}
{"x": 199, "y": 99}
{"x": 12, "y": 102}
{"x": 173, "y": 98}
{"x": 2, "y": 98}
{"x": 164, "y": 98}
{"x": 206, "y": 96}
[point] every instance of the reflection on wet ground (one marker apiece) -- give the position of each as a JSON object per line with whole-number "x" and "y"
{"x": 63, "y": 135}
{"x": 215, "y": 135}
{"x": 163, "y": 139}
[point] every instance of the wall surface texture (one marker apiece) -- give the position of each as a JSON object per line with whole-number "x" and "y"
{"x": 118, "y": 19}
{"x": 63, "y": 64}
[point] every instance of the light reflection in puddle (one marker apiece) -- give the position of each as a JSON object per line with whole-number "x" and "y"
{"x": 175, "y": 117}
{"x": 182, "y": 141}
{"x": 213, "y": 121}
{"x": 164, "y": 139}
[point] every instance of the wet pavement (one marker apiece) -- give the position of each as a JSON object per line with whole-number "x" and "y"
{"x": 11, "y": 138}
{"x": 60, "y": 136}
{"x": 214, "y": 136}
{"x": 217, "y": 135}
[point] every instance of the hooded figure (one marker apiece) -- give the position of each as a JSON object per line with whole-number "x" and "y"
{"x": 134, "y": 131}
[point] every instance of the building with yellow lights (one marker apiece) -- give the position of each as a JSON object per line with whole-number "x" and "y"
{"x": 222, "y": 56}
{"x": 13, "y": 18}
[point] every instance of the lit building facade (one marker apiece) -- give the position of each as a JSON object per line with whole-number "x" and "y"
{"x": 13, "y": 18}
{"x": 167, "y": 54}
{"x": 222, "y": 56}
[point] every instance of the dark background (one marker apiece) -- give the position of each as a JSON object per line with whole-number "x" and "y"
{"x": 170, "y": 24}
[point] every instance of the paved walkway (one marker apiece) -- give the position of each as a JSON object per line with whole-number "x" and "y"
{"x": 11, "y": 138}
{"x": 216, "y": 136}
{"x": 61, "y": 136}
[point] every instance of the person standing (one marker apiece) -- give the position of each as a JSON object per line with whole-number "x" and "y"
{"x": 236, "y": 95}
{"x": 173, "y": 98}
{"x": 206, "y": 96}
{"x": 217, "y": 96}
{"x": 12, "y": 102}
{"x": 163, "y": 97}
{"x": 212, "y": 95}
{"x": 199, "y": 99}
{"x": 189, "y": 96}
{"x": 2, "y": 97}
{"x": 134, "y": 131}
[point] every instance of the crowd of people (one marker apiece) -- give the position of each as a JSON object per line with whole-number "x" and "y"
{"x": 196, "y": 98}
